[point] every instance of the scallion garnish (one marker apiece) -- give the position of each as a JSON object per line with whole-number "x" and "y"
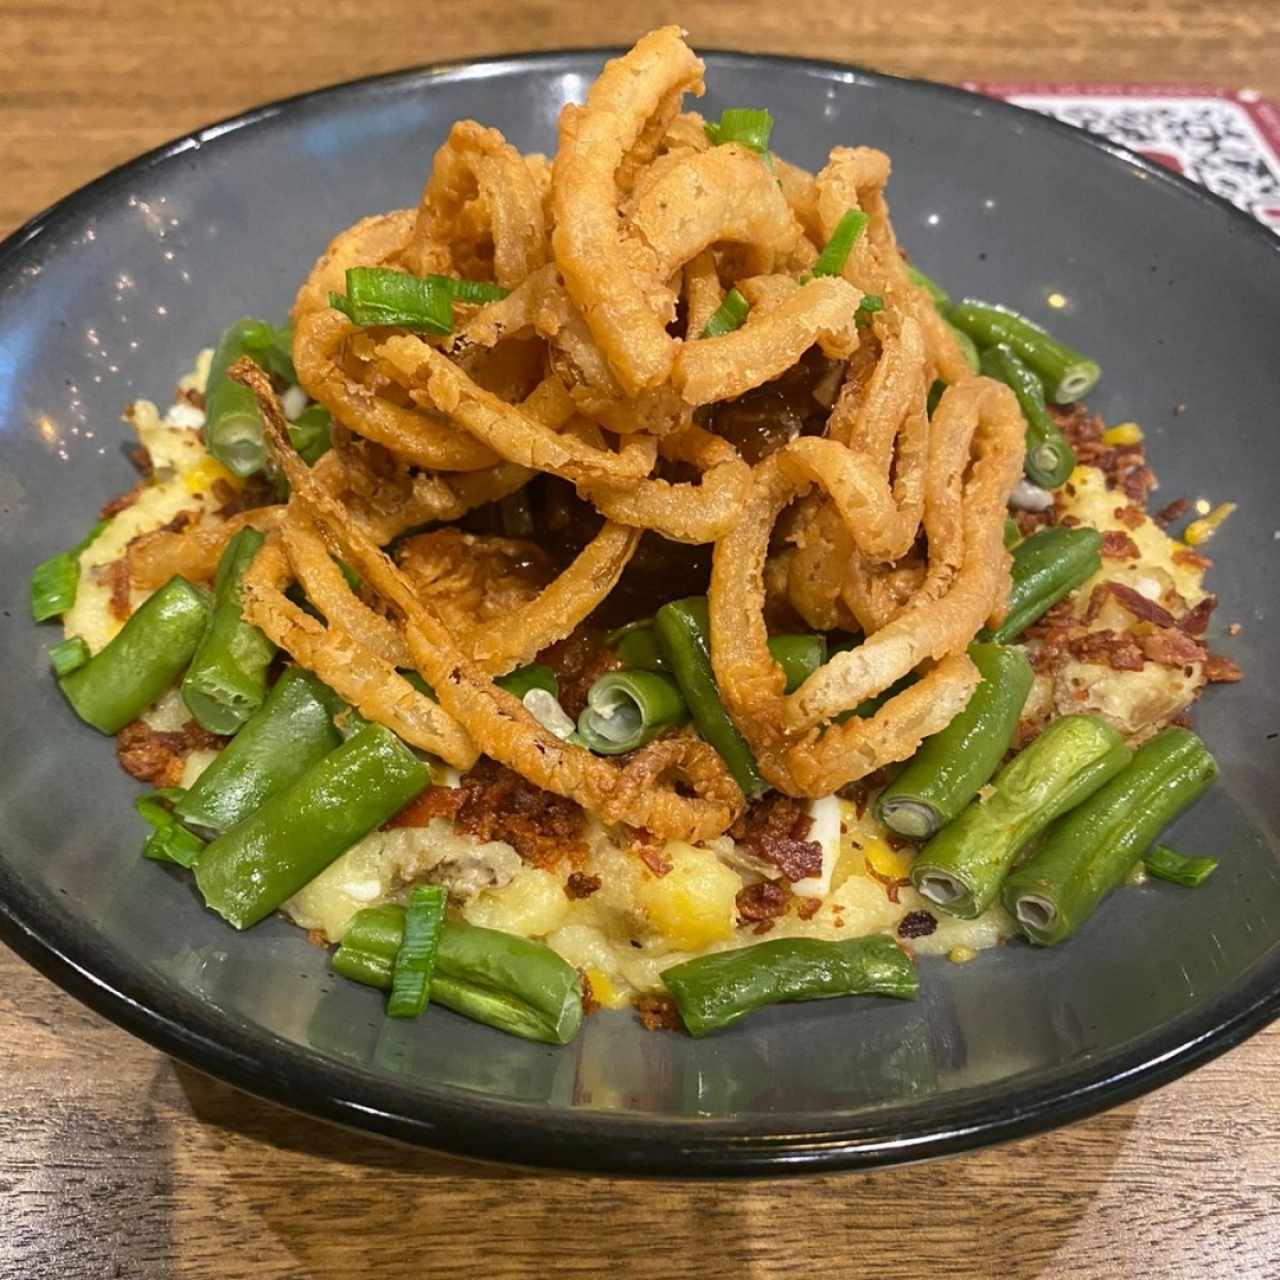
{"x": 416, "y": 959}
{"x": 728, "y": 316}
{"x": 871, "y": 303}
{"x": 747, "y": 126}
{"x": 54, "y": 582}
{"x": 379, "y": 296}
{"x": 478, "y": 291}
{"x": 832, "y": 259}
{"x": 69, "y": 655}
{"x": 169, "y": 840}
{"x": 1168, "y": 864}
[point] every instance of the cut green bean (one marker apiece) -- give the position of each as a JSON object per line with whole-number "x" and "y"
{"x": 309, "y": 433}
{"x": 169, "y": 840}
{"x": 713, "y": 992}
{"x": 950, "y": 767}
{"x": 683, "y": 628}
{"x": 232, "y": 424}
{"x": 227, "y": 680}
{"x": 731, "y": 314}
{"x": 511, "y": 983}
{"x": 250, "y": 870}
{"x": 54, "y": 582}
{"x": 1047, "y": 567}
{"x": 145, "y": 657}
{"x": 416, "y": 958}
{"x": 291, "y": 731}
{"x": 1012, "y": 534}
{"x": 968, "y": 348}
{"x": 370, "y": 946}
{"x": 69, "y": 655}
{"x": 1093, "y": 849}
{"x": 1067, "y": 374}
{"x": 639, "y": 648}
{"x": 937, "y": 294}
{"x": 536, "y": 675}
{"x": 961, "y": 869}
{"x": 1179, "y": 868}
{"x": 799, "y": 656}
{"x": 1050, "y": 458}
{"x": 626, "y": 709}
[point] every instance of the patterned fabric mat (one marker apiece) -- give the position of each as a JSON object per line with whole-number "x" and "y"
{"x": 1226, "y": 140}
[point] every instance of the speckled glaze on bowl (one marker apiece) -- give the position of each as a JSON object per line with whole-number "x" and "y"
{"x": 105, "y": 298}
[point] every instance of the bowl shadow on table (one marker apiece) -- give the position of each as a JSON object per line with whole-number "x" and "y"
{"x": 339, "y": 1202}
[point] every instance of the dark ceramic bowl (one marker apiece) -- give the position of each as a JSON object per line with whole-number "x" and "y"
{"x": 107, "y": 296}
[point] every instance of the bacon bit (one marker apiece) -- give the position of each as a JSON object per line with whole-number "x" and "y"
{"x": 1171, "y": 647}
{"x": 180, "y": 523}
{"x": 581, "y": 885}
{"x": 1220, "y": 670}
{"x": 764, "y": 901}
{"x": 653, "y": 860}
{"x": 140, "y": 460}
{"x": 775, "y": 830}
{"x": 765, "y": 926}
{"x": 1172, "y": 511}
{"x": 589, "y": 1002}
{"x": 658, "y": 1013}
{"x": 122, "y": 501}
{"x": 230, "y": 502}
{"x": 1137, "y": 483}
{"x": 1183, "y": 719}
{"x": 1117, "y": 545}
{"x": 1131, "y": 601}
{"x": 434, "y": 802}
{"x": 1196, "y": 621}
{"x": 808, "y": 908}
{"x": 157, "y": 757}
{"x": 317, "y": 938}
{"x": 1029, "y": 522}
{"x": 192, "y": 397}
{"x": 1115, "y": 649}
{"x": 1070, "y": 522}
{"x": 859, "y": 793}
{"x": 116, "y": 576}
{"x": 1191, "y": 559}
{"x": 892, "y": 884}
{"x": 1129, "y": 516}
{"x": 917, "y": 924}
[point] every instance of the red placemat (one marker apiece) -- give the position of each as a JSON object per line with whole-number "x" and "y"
{"x": 1227, "y": 140}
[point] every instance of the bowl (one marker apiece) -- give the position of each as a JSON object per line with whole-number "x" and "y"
{"x": 107, "y": 296}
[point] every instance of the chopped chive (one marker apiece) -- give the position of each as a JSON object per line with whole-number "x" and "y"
{"x": 1178, "y": 868}
{"x": 480, "y": 291}
{"x": 169, "y": 840}
{"x": 870, "y": 304}
{"x": 747, "y": 126}
{"x": 54, "y": 581}
{"x": 728, "y": 316}
{"x": 69, "y": 655}
{"x": 832, "y": 259}
{"x": 379, "y": 296}
{"x": 416, "y": 959}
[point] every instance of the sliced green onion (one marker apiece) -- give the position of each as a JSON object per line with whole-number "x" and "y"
{"x": 1178, "y": 868}
{"x": 69, "y": 655}
{"x": 832, "y": 259}
{"x": 169, "y": 840}
{"x": 747, "y": 126}
{"x": 478, "y": 291}
{"x": 870, "y": 304}
{"x": 309, "y": 433}
{"x": 379, "y": 296}
{"x": 54, "y": 581}
{"x": 626, "y": 709}
{"x": 728, "y": 316}
{"x": 271, "y": 348}
{"x": 416, "y": 959}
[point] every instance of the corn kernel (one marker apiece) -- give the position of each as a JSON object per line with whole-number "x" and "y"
{"x": 603, "y": 989}
{"x": 1202, "y": 530}
{"x": 201, "y": 477}
{"x": 887, "y": 863}
{"x": 961, "y": 955}
{"x": 1123, "y": 433}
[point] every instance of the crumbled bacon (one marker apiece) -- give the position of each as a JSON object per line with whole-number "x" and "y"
{"x": 808, "y": 908}
{"x": 434, "y": 802}
{"x": 157, "y": 757}
{"x": 1196, "y": 621}
{"x": 775, "y": 830}
{"x": 1115, "y": 649}
{"x": 122, "y": 501}
{"x": 653, "y": 859}
{"x": 1118, "y": 545}
{"x": 860, "y": 792}
{"x": 764, "y": 901}
{"x": 193, "y": 397}
{"x": 589, "y": 1002}
{"x": 116, "y": 576}
{"x": 1131, "y": 601}
{"x": 917, "y": 924}
{"x": 1129, "y": 516}
{"x": 140, "y": 460}
{"x": 1171, "y": 647}
{"x": 1220, "y": 670}
{"x": 1030, "y": 521}
{"x": 658, "y": 1013}
{"x": 1172, "y": 511}
{"x": 1191, "y": 559}
{"x": 581, "y": 885}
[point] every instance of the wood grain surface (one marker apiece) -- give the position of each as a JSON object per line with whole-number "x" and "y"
{"x": 115, "y": 1162}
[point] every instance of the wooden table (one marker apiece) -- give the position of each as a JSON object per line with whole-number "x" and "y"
{"x": 114, "y": 1162}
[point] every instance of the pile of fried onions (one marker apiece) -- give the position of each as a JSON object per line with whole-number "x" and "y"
{"x": 592, "y": 369}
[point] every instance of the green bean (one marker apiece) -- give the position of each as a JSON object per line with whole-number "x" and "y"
{"x": 512, "y": 983}
{"x": 250, "y": 870}
{"x": 949, "y": 768}
{"x": 309, "y": 433}
{"x": 682, "y": 628}
{"x": 54, "y": 582}
{"x": 535, "y": 676}
{"x": 232, "y": 425}
{"x": 291, "y": 731}
{"x": 416, "y": 957}
{"x": 1092, "y": 850}
{"x": 799, "y": 656}
{"x": 1050, "y": 458}
{"x": 145, "y": 657}
{"x": 1012, "y": 534}
{"x": 961, "y": 869}
{"x": 937, "y": 294}
{"x": 169, "y": 840}
{"x": 1067, "y": 374}
{"x": 227, "y": 680}
{"x": 638, "y": 647}
{"x": 626, "y": 709}
{"x": 713, "y": 992}
{"x": 370, "y": 945}
{"x": 68, "y": 655}
{"x": 1047, "y": 567}
{"x": 1179, "y": 868}
{"x": 968, "y": 348}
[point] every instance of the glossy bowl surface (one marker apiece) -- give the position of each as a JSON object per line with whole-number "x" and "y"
{"x": 107, "y": 296}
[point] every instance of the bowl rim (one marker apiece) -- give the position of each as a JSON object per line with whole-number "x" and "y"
{"x": 481, "y": 1127}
